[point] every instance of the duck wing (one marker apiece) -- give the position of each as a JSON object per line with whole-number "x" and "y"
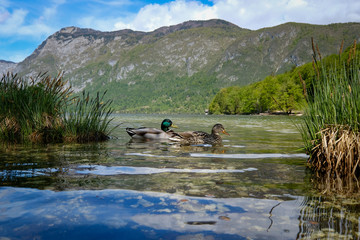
{"x": 201, "y": 134}
{"x": 190, "y": 137}
{"x": 181, "y": 136}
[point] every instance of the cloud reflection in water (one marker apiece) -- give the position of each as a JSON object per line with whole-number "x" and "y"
{"x": 137, "y": 215}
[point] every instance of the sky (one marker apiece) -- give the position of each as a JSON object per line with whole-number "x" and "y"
{"x": 25, "y": 24}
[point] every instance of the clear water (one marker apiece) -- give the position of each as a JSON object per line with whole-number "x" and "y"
{"x": 255, "y": 186}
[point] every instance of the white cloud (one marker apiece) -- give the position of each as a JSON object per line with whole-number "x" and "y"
{"x": 4, "y": 15}
{"x": 262, "y": 13}
{"x": 12, "y": 22}
{"x": 18, "y": 22}
{"x": 153, "y": 16}
{"x": 51, "y": 11}
{"x": 98, "y": 24}
{"x": 244, "y": 13}
{"x": 14, "y": 25}
{"x": 297, "y": 3}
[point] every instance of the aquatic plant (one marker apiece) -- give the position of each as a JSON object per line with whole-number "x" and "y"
{"x": 89, "y": 120}
{"x": 332, "y": 116}
{"x": 35, "y": 110}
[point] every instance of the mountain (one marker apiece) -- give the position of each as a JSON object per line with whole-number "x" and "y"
{"x": 6, "y": 66}
{"x": 179, "y": 68}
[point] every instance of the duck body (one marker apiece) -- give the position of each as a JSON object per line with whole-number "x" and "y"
{"x": 147, "y": 133}
{"x": 200, "y": 137}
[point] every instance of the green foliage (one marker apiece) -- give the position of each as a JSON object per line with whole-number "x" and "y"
{"x": 275, "y": 93}
{"x": 166, "y": 93}
{"x": 34, "y": 110}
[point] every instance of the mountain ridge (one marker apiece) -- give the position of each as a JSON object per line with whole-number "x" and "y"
{"x": 7, "y": 66}
{"x": 179, "y": 68}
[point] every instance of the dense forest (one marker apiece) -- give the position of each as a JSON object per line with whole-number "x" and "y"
{"x": 284, "y": 92}
{"x": 181, "y": 94}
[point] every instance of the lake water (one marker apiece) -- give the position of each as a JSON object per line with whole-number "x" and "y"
{"x": 255, "y": 186}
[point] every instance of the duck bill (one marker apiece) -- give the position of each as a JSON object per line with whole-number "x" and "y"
{"x": 225, "y": 132}
{"x": 174, "y": 126}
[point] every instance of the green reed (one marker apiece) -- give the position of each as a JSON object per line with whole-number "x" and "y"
{"x": 89, "y": 120}
{"x": 34, "y": 110}
{"x": 332, "y": 116}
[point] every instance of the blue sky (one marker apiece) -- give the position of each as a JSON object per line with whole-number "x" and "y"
{"x": 25, "y": 24}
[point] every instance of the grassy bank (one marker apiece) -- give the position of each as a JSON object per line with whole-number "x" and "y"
{"x": 41, "y": 110}
{"x": 332, "y": 116}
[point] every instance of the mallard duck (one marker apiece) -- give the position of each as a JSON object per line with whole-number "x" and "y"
{"x": 199, "y": 137}
{"x": 153, "y": 133}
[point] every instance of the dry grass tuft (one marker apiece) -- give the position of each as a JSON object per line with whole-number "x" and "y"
{"x": 338, "y": 150}
{"x": 10, "y": 128}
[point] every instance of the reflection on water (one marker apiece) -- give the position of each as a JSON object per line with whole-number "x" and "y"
{"x": 255, "y": 186}
{"x": 329, "y": 218}
{"x": 103, "y": 170}
{"x": 110, "y": 214}
{"x": 249, "y": 156}
{"x": 60, "y": 215}
{"x": 331, "y": 183}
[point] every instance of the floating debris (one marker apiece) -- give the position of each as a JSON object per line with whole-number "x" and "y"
{"x": 201, "y": 222}
{"x": 225, "y": 218}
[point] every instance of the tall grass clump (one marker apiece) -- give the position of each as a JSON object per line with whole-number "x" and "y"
{"x": 35, "y": 110}
{"x": 332, "y": 116}
{"x": 89, "y": 120}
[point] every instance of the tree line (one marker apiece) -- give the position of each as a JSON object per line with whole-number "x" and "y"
{"x": 284, "y": 92}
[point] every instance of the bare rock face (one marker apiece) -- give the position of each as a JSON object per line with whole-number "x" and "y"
{"x": 178, "y": 66}
{"x": 6, "y": 66}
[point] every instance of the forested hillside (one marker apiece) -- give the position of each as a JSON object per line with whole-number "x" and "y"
{"x": 284, "y": 92}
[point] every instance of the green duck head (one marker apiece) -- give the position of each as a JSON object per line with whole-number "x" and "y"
{"x": 166, "y": 123}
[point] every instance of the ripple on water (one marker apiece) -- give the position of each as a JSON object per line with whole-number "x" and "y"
{"x": 250, "y": 156}
{"x": 235, "y": 146}
{"x": 115, "y": 170}
{"x": 148, "y": 155}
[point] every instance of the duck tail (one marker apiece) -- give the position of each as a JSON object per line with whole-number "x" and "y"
{"x": 130, "y": 131}
{"x": 175, "y": 137}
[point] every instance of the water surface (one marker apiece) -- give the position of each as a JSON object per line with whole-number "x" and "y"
{"x": 255, "y": 186}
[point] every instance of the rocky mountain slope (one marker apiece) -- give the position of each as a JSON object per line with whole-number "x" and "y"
{"x": 6, "y": 66}
{"x": 179, "y": 68}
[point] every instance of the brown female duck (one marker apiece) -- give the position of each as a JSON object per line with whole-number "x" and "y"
{"x": 199, "y": 137}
